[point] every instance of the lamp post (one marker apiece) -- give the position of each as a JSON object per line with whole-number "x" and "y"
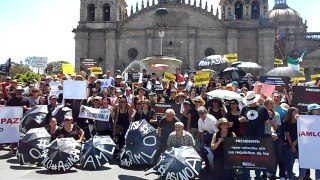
{"x": 163, "y": 26}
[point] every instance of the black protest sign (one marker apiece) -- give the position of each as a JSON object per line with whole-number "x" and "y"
{"x": 160, "y": 109}
{"x": 280, "y": 82}
{"x": 249, "y": 153}
{"x": 303, "y": 96}
{"x": 133, "y": 76}
{"x": 158, "y": 88}
{"x": 86, "y": 64}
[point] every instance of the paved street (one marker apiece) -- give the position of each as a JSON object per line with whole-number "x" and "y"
{"x": 11, "y": 169}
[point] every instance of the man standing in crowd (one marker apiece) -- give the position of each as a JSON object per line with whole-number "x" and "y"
{"x": 166, "y": 126}
{"x": 179, "y": 76}
{"x": 207, "y": 127}
{"x": 4, "y": 86}
{"x": 107, "y": 76}
{"x": 180, "y": 137}
{"x": 255, "y": 117}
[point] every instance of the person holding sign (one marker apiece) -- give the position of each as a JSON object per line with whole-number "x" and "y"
{"x": 220, "y": 173}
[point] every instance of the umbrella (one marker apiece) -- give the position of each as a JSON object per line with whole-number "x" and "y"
{"x": 34, "y": 118}
{"x": 179, "y": 163}
{"x": 59, "y": 113}
{"x": 232, "y": 73}
{"x": 61, "y": 154}
{"x": 213, "y": 60}
{"x": 235, "y": 64}
{"x": 31, "y": 145}
{"x": 159, "y": 67}
{"x": 285, "y": 71}
{"x": 97, "y": 151}
{"x": 249, "y": 66}
{"x": 141, "y": 146}
{"x": 224, "y": 94}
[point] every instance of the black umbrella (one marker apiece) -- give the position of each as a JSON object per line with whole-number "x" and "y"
{"x": 179, "y": 163}
{"x": 34, "y": 118}
{"x": 31, "y": 145}
{"x": 232, "y": 73}
{"x": 216, "y": 62}
{"x": 285, "y": 71}
{"x": 96, "y": 152}
{"x": 141, "y": 146}
{"x": 59, "y": 113}
{"x": 61, "y": 154}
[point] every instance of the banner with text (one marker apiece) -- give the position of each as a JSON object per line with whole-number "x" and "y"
{"x": 160, "y": 109}
{"x": 74, "y": 89}
{"x": 249, "y": 153}
{"x": 201, "y": 79}
{"x": 303, "y": 96}
{"x": 105, "y": 83}
{"x": 67, "y": 69}
{"x": 232, "y": 57}
{"x": 10, "y": 119}
{"x": 280, "y": 82}
{"x": 169, "y": 76}
{"x": 133, "y": 77}
{"x": 96, "y": 70}
{"x": 94, "y": 113}
{"x": 309, "y": 141}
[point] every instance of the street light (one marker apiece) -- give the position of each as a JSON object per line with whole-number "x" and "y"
{"x": 161, "y": 12}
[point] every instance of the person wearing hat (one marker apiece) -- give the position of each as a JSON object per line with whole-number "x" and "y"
{"x": 180, "y": 97}
{"x": 217, "y": 146}
{"x": 4, "y": 86}
{"x": 71, "y": 129}
{"x": 98, "y": 87}
{"x": 118, "y": 80}
{"x": 314, "y": 109}
{"x": 172, "y": 98}
{"x": 129, "y": 95}
{"x": 52, "y": 106}
{"x": 180, "y": 137}
{"x": 198, "y": 101}
{"x": 141, "y": 95}
{"x": 92, "y": 82}
{"x": 255, "y": 118}
{"x": 235, "y": 87}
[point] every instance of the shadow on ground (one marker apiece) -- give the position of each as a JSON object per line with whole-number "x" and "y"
{"x": 45, "y": 171}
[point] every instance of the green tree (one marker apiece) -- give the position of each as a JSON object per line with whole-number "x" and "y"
{"x": 17, "y": 68}
{"x": 55, "y": 67}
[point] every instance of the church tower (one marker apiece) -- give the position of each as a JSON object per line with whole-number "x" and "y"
{"x": 244, "y": 9}
{"x": 95, "y": 35}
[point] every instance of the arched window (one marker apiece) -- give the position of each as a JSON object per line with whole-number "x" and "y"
{"x": 238, "y": 12}
{"x": 91, "y": 12}
{"x": 255, "y": 10}
{"x": 209, "y": 52}
{"x": 106, "y": 12}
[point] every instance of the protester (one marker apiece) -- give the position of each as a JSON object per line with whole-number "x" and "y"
{"x": 53, "y": 128}
{"x": 180, "y": 137}
{"x": 216, "y": 109}
{"x": 220, "y": 173}
{"x": 70, "y": 129}
{"x": 148, "y": 113}
{"x": 104, "y": 128}
{"x": 166, "y": 126}
{"x": 233, "y": 116}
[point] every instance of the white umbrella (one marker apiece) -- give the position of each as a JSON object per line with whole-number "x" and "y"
{"x": 225, "y": 94}
{"x": 249, "y": 66}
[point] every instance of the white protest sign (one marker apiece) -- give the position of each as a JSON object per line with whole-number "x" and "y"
{"x": 94, "y": 113}
{"x": 74, "y": 89}
{"x": 55, "y": 88}
{"x": 10, "y": 119}
{"x": 309, "y": 141}
{"x": 105, "y": 83}
{"x": 41, "y": 62}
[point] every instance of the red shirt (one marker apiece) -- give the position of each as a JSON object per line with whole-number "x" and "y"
{"x": 4, "y": 91}
{"x": 180, "y": 77}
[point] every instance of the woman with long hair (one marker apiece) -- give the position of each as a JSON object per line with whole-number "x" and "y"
{"x": 53, "y": 128}
{"x": 290, "y": 129}
{"x": 233, "y": 116}
{"x": 122, "y": 119}
{"x": 216, "y": 109}
{"x": 136, "y": 111}
{"x": 220, "y": 173}
{"x": 105, "y": 127}
{"x": 148, "y": 113}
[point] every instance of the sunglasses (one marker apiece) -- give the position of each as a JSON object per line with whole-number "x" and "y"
{"x": 68, "y": 119}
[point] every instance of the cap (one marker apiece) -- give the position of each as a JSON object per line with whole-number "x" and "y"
{"x": 8, "y": 78}
{"x": 118, "y": 77}
{"x": 92, "y": 75}
{"x": 98, "y": 81}
{"x": 186, "y": 103}
{"x": 313, "y": 106}
{"x": 14, "y": 81}
{"x": 53, "y": 97}
{"x": 118, "y": 71}
{"x": 118, "y": 90}
{"x": 94, "y": 90}
{"x": 235, "y": 83}
{"x": 19, "y": 88}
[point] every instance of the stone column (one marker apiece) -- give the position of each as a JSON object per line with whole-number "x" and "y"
{"x": 308, "y": 72}
{"x": 192, "y": 48}
{"x": 81, "y": 47}
{"x": 232, "y": 41}
{"x": 149, "y": 42}
{"x": 266, "y": 48}
{"x": 111, "y": 53}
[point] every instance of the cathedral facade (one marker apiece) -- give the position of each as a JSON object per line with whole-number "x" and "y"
{"x": 192, "y": 31}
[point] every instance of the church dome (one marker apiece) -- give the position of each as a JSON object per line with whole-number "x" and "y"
{"x": 283, "y": 15}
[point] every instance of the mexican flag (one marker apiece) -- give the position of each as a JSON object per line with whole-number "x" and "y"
{"x": 295, "y": 63}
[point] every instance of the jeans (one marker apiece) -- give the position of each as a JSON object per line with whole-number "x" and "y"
{"x": 302, "y": 173}
{"x": 280, "y": 155}
{"x": 290, "y": 158}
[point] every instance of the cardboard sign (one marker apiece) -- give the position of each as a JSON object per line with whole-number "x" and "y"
{"x": 74, "y": 89}
{"x": 67, "y": 69}
{"x": 303, "y": 96}
{"x": 280, "y": 82}
{"x": 201, "y": 79}
{"x": 10, "y": 119}
{"x": 266, "y": 89}
{"x": 96, "y": 70}
{"x": 309, "y": 141}
{"x": 249, "y": 153}
{"x": 105, "y": 83}
{"x": 168, "y": 76}
{"x": 232, "y": 57}
{"x": 133, "y": 77}
{"x": 160, "y": 109}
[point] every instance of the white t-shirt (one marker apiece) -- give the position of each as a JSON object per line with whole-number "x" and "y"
{"x": 209, "y": 124}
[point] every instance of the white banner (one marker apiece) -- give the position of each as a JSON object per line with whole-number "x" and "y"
{"x": 10, "y": 119}
{"x": 309, "y": 141}
{"x": 105, "y": 83}
{"x": 74, "y": 89}
{"x": 41, "y": 62}
{"x": 94, "y": 113}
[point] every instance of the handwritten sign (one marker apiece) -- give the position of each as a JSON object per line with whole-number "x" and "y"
{"x": 168, "y": 76}
{"x": 96, "y": 70}
{"x": 201, "y": 79}
{"x": 105, "y": 83}
{"x": 74, "y": 89}
{"x": 67, "y": 69}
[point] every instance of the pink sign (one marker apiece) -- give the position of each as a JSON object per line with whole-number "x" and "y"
{"x": 264, "y": 89}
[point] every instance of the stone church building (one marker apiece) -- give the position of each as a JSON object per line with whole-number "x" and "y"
{"x": 193, "y": 31}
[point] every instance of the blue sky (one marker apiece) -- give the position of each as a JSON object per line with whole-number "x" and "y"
{"x": 43, "y": 27}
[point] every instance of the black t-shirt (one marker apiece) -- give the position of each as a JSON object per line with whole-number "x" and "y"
{"x": 145, "y": 79}
{"x": 23, "y": 101}
{"x": 74, "y": 133}
{"x": 167, "y": 127}
{"x": 236, "y": 124}
{"x": 194, "y": 119}
{"x": 291, "y": 128}
{"x": 257, "y": 117}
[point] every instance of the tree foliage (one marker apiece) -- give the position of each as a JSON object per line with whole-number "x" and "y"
{"x": 55, "y": 67}
{"x": 22, "y": 73}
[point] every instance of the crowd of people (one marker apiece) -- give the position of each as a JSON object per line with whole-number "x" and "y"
{"x": 202, "y": 122}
